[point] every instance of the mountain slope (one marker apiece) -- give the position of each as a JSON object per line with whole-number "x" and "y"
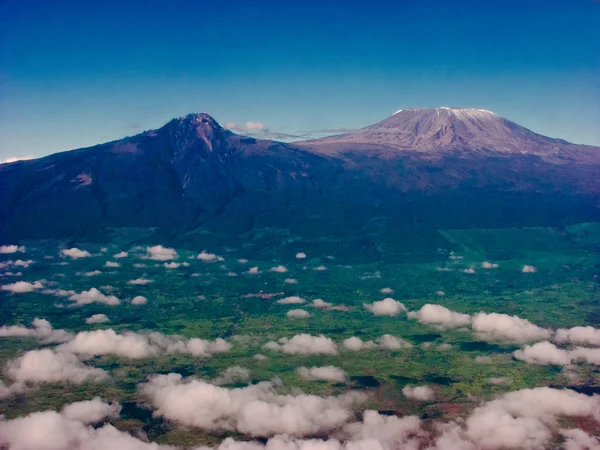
{"x": 456, "y": 129}
{"x": 192, "y": 175}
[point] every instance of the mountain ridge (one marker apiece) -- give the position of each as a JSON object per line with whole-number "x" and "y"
{"x": 192, "y": 174}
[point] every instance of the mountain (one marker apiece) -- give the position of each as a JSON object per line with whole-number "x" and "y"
{"x": 457, "y": 129}
{"x": 418, "y": 170}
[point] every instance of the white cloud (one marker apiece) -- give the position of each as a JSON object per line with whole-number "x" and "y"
{"x": 502, "y": 327}
{"x": 209, "y": 257}
{"x": 140, "y": 281}
{"x": 94, "y": 296}
{"x": 121, "y": 255}
{"x": 326, "y": 373}
{"x": 546, "y": 353}
{"x": 112, "y": 264}
{"x": 91, "y": 411}
{"x": 576, "y": 439}
{"x": 256, "y": 410}
{"x": 355, "y": 344}
{"x": 8, "y": 249}
{"x": 489, "y": 265}
{"x": 250, "y": 126}
{"x": 319, "y": 303}
{"x": 69, "y": 430}
{"x": 293, "y": 300}
{"x": 21, "y": 287}
{"x": 18, "y": 263}
{"x": 75, "y": 253}
{"x": 290, "y": 281}
{"x": 469, "y": 270}
{"x": 17, "y": 158}
{"x": 97, "y": 318}
{"x": 579, "y": 335}
{"x": 304, "y": 344}
{"x": 300, "y": 255}
{"x": 139, "y": 345}
{"x": 386, "y": 290}
{"x": 298, "y": 314}
{"x": 528, "y": 269}
{"x": 390, "y": 342}
{"x": 279, "y": 269}
{"x": 253, "y": 270}
{"x": 440, "y": 316}
{"x": 422, "y": 393}
{"x": 160, "y": 253}
{"x": 385, "y": 307}
{"x": 232, "y": 374}
{"x": 525, "y": 419}
{"x": 39, "y": 366}
{"x": 139, "y": 300}
{"x": 93, "y": 273}
{"x": 320, "y": 268}
{"x": 41, "y": 330}
{"x": 172, "y": 265}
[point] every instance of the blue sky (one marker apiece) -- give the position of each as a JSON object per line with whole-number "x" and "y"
{"x": 77, "y": 73}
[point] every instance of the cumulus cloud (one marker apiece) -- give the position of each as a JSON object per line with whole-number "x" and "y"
{"x": 293, "y": 300}
{"x": 385, "y": 307}
{"x": 49, "y": 366}
{"x": 355, "y": 344}
{"x": 41, "y": 329}
{"x": 320, "y": 268}
{"x": 579, "y": 335}
{"x": 526, "y": 418}
{"x": 75, "y": 253}
{"x": 91, "y": 411}
{"x": 290, "y": 281}
{"x": 209, "y": 257}
{"x": 232, "y": 374}
{"x": 298, "y": 314}
{"x": 121, "y": 255}
{"x": 250, "y": 126}
{"x": 440, "y": 316}
{"x": 139, "y": 300}
{"x": 160, "y": 253}
{"x": 386, "y": 290}
{"x": 326, "y": 373}
{"x": 422, "y": 393}
{"x": 140, "y": 281}
{"x": 300, "y": 255}
{"x": 528, "y": 269}
{"x": 70, "y": 430}
{"x": 304, "y": 344}
{"x": 319, "y": 303}
{"x": 469, "y": 270}
{"x": 279, "y": 269}
{"x": 112, "y": 264}
{"x": 94, "y": 296}
{"x": 489, "y": 265}
{"x": 256, "y": 410}
{"x": 502, "y": 327}
{"x": 97, "y": 318}
{"x": 21, "y": 287}
{"x": 546, "y": 353}
{"x": 18, "y": 263}
{"x": 253, "y": 270}
{"x": 139, "y": 345}
{"x": 93, "y": 273}
{"x": 8, "y": 249}
{"x": 390, "y": 342}
{"x": 171, "y": 265}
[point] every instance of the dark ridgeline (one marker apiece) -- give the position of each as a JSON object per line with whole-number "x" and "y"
{"x": 420, "y": 169}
